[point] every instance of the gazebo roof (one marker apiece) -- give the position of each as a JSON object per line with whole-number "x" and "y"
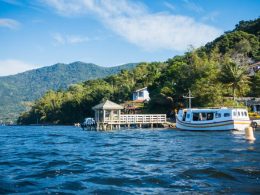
{"x": 107, "y": 105}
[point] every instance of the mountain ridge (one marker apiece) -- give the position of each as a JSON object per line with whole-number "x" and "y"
{"x": 32, "y": 84}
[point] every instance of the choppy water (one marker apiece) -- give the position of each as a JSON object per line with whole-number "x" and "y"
{"x": 67, "y": 160}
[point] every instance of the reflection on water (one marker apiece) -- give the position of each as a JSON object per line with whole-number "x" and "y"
{"x": 69, "y": 160}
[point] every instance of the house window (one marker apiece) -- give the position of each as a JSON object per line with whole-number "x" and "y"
{"x": 141, "y": 94}
{"x": 234, "y": 113}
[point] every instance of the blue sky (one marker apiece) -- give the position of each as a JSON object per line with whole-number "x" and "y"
{"x": 110, "y": 32}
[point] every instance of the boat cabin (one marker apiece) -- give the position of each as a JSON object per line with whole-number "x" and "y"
{"x": 220, "y": 114}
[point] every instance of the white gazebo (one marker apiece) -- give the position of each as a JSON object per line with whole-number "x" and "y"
{"x": 107, "y": 113}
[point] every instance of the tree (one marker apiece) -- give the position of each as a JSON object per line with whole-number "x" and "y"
{"x": 256, "y": 85}
{"x": 236, "y": 77}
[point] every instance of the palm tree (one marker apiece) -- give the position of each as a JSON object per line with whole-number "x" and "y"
{"x": 235, "y": 77}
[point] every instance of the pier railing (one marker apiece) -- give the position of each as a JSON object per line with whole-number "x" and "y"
{"x": 137, "y": 119}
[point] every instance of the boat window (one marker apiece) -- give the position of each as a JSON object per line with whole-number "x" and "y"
{"x": 245, "y": 113}
{"x": 218, "y": 115}
{"x": 195, "y": 117}
{"x": 234, "y": 113}
{"x": 210, "y": 116}
{"x": 202, "y": 116}
{"x": 226, "y": 114}
{"x": 188, "y": 116}
{"x": 238, "y": 113}
{"x": 184, "y": 116}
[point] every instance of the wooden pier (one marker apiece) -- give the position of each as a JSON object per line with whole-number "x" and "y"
{"x": 108, "y": 116}
{"x": 139, "y": 120}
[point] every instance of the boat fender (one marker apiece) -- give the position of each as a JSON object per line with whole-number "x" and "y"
{"x": 249, "y": 133}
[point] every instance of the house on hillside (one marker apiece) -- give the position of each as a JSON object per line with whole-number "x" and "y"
{"x": 252, "y": 102}
{"x": 254, "y": 68}
{"x": 137, "y": 105}
{"x": 141, "y": 95}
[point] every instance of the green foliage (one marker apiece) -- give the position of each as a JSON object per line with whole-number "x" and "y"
{"x": 236, "y": 78}
{"x": 30, "y": 85}
{"x": 208, "y": 72}
{"x": 235, "y": 42}
{"x": 255, "y": 85}
{"x": 251, "y": 26}
{"x": 213, "y": 73}
{"x": 75, "y": 103}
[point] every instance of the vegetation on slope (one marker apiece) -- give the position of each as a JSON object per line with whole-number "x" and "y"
{"x": 17, "y": 91}
{"x": 72, "y": 105}
{"x": 212, "y": 72}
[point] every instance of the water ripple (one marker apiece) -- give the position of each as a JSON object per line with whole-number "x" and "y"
{"x": 67, "y": 160}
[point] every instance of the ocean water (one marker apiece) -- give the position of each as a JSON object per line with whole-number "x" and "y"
{"x": 68, "y": 160}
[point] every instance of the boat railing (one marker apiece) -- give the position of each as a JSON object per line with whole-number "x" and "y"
{"x": 222, "y": 107}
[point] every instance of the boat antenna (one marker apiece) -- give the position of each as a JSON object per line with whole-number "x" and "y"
{"x": 189, "y": 97}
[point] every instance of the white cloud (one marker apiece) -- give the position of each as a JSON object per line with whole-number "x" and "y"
{"x": 73, "y": 39}
{"x": 11, "y": 66}
{"x": 68, "y": 39}
{"x": 169, "y": 5}
{"x": 211, "y": 16}
{"x": 164, "y": 31}
{"x": 58, "y": 38}
{"x": 9, "y": 23}
{"x": 137, "y": 25}
{"x": 193, "y": 6}
{"x": 66, "y": 7}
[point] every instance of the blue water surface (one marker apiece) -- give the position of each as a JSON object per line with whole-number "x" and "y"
{"x": 68, "y": 160}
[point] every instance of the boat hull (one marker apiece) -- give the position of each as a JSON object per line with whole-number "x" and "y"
{"x": 239, "y": 125}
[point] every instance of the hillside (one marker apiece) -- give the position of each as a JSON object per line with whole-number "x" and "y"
{"x": 18, "y": 90}
{"x": 213, "y": 72}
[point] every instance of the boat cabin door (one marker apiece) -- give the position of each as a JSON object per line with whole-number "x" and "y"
{"x": 186, "y": 115}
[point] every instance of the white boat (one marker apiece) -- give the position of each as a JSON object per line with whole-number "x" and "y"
{"x": 213, "y": 119}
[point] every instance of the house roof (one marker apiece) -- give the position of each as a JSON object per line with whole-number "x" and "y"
{"x": 141, "y": 89}
{"x": 107, "y": 105}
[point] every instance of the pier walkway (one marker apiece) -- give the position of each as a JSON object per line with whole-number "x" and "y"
{"x": 134, "y": 119}
{"x": 108, "y": 116}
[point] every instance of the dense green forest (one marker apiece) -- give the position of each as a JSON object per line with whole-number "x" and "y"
{"x": 212, "y": 72}
{"x": 17, "y": 91}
